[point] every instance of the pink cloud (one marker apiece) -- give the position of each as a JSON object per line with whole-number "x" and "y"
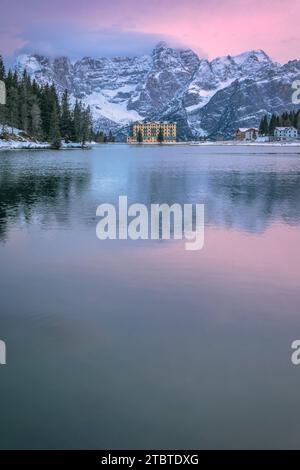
{"x": 218, "y": 27}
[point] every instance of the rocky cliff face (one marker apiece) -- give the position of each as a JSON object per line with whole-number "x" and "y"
{"x": 204, "y": 97}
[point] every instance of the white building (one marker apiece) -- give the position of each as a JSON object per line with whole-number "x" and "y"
{"x": 251, "y": 134}
{"x": 285, "y": 133}
{"x": 246, "y": 133}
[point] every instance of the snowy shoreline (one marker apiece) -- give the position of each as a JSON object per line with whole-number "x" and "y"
{"x": 17, "y": 139}
{"x": 29, "y": 145}
{"x": 223, "y": 144}
{"x": 17, "y": 145}
{"x": 25, "y": 144}
{"x": 248, "y": 144}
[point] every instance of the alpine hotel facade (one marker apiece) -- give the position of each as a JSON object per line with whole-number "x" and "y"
{"x": 150, "y": 131}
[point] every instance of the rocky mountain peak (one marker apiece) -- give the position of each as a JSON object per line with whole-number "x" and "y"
{"x": 204, "y": 97}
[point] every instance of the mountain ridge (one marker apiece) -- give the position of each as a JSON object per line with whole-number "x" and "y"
{"x": 206, "y": 98}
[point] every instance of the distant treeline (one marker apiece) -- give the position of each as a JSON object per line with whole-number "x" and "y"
{"x": 38, "y": 111}
{"x": 287, "y": 119}
{"x": 103, "y": 138}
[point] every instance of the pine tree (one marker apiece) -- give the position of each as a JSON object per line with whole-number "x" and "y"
{"x": 77, "y": 121}
{"x": 86, "y": 125}
{"x": 54, "y": 134}
{"x": 286, "y": 122}
{"x": 13, "y": 108}
{"x": 298, "y": 122}
{"x": 260, "y": 129}
{"x": 24, "y": 101}
{"x": 2, "y": 106}
{"x": 24, "y": 115}
{"x": 272, "y": 125}
{"x": 99, "y": 137}
{"x": 160, "y": 136}
{"x": 36, "y": 121}
{"x": 264, "y": 126}
{"x": 111, "y": 137}
{"x": 2, "y": 118}
{"x": 46, "y": 110}
{"x": 139, "y": 137}
{"x": 2, "y": 69}
{"x": 66, "y": 125}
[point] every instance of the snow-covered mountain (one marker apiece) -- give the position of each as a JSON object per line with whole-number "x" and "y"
{"x": 204, "y": 97}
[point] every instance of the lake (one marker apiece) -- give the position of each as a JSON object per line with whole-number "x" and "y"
{"x": 142, "y": 344}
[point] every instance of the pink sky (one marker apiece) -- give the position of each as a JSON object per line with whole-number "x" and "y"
{"x": 96, "y": 27}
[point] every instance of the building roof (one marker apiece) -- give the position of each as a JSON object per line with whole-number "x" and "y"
{"x": 154, "y": 122}
{"x": 245, "y": 129}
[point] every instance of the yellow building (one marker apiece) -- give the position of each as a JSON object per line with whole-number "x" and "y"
{"x": 150, "y": 131}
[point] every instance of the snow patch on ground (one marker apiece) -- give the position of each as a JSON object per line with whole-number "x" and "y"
{"x": 27, "y": 144}
{"x": 24, "y": 144}
{"x": 16, "y": 139}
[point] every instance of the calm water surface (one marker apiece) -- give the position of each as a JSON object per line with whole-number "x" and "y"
{"x": 142, "y": 344}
